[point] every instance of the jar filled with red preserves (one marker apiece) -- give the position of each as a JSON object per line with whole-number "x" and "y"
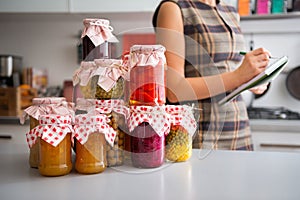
{"x": 44, "y": 106}
{"x": 55, "y": 144}
{"x": 147, "y": 75}
{"x": 100, "y": 79}
{"x": 179, "y": 139}
{"x": 148, "y": 126}
{"x": 91, "y": 132}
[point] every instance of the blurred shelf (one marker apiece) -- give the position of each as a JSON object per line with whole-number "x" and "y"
{"x": 288, "y": 15}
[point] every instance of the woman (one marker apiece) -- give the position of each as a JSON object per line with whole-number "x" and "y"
{"x": 203, "y": 41}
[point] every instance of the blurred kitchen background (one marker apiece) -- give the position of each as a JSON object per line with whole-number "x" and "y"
{"x": 46, "y": 34}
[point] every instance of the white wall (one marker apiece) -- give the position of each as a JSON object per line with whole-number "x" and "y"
{"x": 49, "y": 40}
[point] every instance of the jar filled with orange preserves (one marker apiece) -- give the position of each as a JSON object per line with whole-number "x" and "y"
{"x": 55, "y": 144}
{"x": 179, "y": 139}
{"x": 44, "y": 106}
{"x": 91, "y": 132}
{"x": 147, "y": 75}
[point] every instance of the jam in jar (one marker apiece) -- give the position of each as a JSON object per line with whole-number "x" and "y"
{"x": 55, "y": 145}
{"x": 43, "y": 106}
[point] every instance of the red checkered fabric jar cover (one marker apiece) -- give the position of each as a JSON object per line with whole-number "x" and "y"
{"x": 85, "y": 124}
{"x": 52, "y": 128}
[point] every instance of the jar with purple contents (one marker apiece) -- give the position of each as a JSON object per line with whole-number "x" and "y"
{"x": 96, "y": 38}
{"x": 148, "y": 126}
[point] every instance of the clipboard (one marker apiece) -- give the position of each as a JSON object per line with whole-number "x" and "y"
{"x": 273, "y": 69}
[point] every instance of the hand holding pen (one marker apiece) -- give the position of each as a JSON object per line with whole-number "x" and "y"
{"x": 254, "y": 62}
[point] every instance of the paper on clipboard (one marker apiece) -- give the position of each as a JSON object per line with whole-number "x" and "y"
{"x": 270, "y": 73}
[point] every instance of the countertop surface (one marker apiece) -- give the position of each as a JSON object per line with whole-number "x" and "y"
{"x": 207, "y": 175}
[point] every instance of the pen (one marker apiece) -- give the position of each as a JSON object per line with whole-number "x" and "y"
{"x": 244, "y": 53}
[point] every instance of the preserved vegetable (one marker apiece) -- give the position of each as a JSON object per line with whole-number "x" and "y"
{"x": 147, "y": 75}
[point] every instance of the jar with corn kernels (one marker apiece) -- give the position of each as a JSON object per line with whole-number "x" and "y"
{"x": 100, "y": 79}
{"x": 92, "y": 134}
{"x": 179, "y": 139}
{"x": 44, "y": 106}
{"x": 55, "y": 155}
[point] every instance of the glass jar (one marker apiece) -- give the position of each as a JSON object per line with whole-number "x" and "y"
{"x": 43, "y": 106}
{"x": 148, "y": 126}
{"x": 113, "y": 109}
{"x": 100, "y": 79}
{"x": 89, "y": 130}
{"x": 147, "y": 147}
{"x": 96, "y": 39}
{"x": 55, "y": 145}
{"x": 179, "y": 139}
{"x": 147, "y": 75}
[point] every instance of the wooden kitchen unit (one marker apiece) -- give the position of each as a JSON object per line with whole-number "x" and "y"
{"x": 14, "y": 100}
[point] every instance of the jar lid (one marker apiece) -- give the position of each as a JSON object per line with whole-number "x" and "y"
{"x": 48, "y": 100}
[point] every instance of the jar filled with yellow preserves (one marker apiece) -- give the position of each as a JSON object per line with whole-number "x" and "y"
{"x": 100, "y": 79}
{"x": 91, "y": 132}
{"x": 44, "y": 106}
{"x": 182, "y": 128}
{"x": 55, "y": 155}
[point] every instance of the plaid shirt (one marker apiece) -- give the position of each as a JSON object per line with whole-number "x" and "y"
{"x": 213, "y": 40}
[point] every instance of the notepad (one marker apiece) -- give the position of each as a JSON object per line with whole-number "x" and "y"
{"x": 273, "y": 69}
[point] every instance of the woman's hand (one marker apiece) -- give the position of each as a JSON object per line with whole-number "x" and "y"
{"x": 259, "y": 89}
{"x": 254, "y": 62}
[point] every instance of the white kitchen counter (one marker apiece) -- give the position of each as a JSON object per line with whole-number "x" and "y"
{"x": 207, "y": 175}
{"x": 275, "y": 125}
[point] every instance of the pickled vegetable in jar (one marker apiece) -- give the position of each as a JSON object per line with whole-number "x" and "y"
{"x": 179, "y": 139}
{"x": 148, "y": 126}
{"x": 91, "y": 132}
{"x": 44, "y": 106}
{"x": 147, "y": 75}
{"x": 101, "y": 79}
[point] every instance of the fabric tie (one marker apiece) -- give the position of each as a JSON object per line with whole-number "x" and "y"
{"x": 85, "y": 124}
{"x": 52, "y": 129}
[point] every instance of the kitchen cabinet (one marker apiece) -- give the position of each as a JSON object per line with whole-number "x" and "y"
{"x": 276, "y": 141}
{"x": 112, "y": 6}
{"x": 276, "y": 135}
{"x": 34, "y": 6}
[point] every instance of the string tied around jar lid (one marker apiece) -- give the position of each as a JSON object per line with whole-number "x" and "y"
{"x": 52, "y": 128}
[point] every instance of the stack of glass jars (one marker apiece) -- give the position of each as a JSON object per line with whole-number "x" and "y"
{"x": 148, "y": 122}
{"x": 99, "y": 82}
